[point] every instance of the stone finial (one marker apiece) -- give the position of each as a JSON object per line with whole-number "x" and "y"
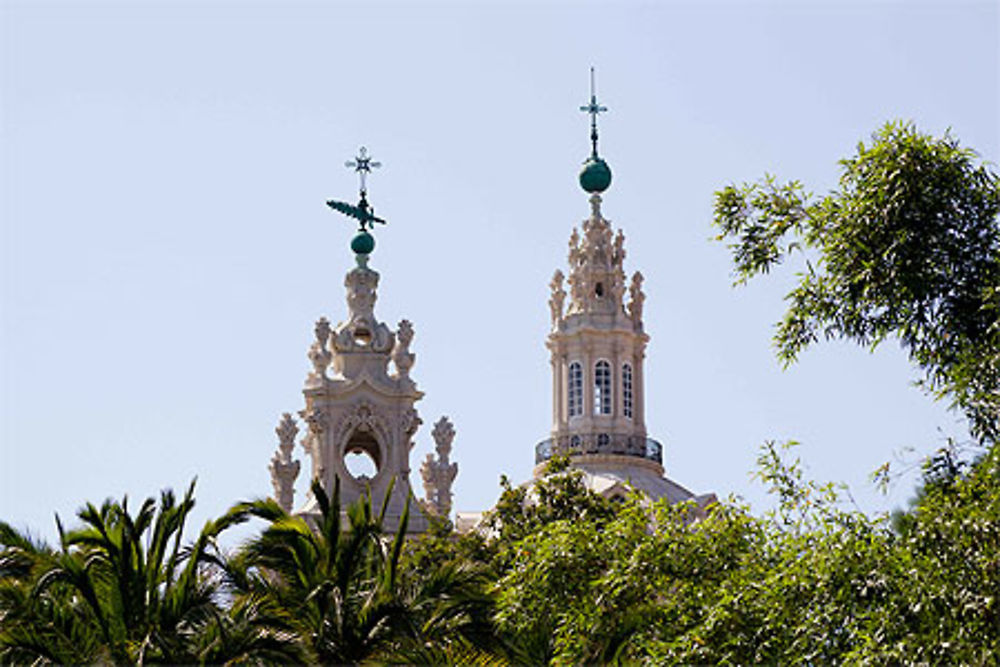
{"x": 283, "y": 469}
{"x": 574, "y": 249}
{"x": 636, "y": 299}
{"x": 443, "y": 434}
{"x": 438, "y": 474}
{"x": 401, "y": 355}
{"x": 319, "y": 352}
{"x": 619, "y": 257}
{"x": 558, "y": 297}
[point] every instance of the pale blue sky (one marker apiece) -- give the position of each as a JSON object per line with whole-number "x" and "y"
{"x": 166, "y": 248}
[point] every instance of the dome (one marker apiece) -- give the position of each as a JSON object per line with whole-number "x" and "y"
{"x": 363, "y": 243}
{"x": 595, "y": 175}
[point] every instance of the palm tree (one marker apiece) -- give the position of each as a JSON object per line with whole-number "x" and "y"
{"x": 37, "y": 627}
{"x": 333, "y": 585}
{"x": 123, "y": 589}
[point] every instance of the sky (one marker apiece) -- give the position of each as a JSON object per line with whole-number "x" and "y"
{"x": 165, "y": 248}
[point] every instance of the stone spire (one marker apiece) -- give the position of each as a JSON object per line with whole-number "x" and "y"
{"x": 439, "y": 473}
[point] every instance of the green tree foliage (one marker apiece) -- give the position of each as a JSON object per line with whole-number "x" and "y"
{"x": 333, "y": 586}
{"x": 122, "y": 589}
{"x": 576, "y": 579}
{"x": 813, "y": 581}
{"x": 341, "y": 588}
{"x": 907, "y": 246}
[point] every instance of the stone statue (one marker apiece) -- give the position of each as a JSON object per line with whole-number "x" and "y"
{"x": 636, "y": 297}
{"x": 439, "y": 474}
{"x": 558, "y": 297}
{"x": 283, "y": 469}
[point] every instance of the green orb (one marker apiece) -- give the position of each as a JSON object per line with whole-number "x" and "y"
{"x": 595, "y": 175}
{"x": 363, "y": 243}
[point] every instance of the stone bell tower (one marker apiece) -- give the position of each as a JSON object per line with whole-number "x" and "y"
{"x": 597, "y": 347}
{"x": 354, "y": 403}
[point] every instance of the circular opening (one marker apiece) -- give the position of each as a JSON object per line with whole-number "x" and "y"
{"x": 361, "y": 456}
{"x": 360, "y": 464}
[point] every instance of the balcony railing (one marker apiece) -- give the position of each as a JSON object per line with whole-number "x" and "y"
{"x": 600, "y": 443}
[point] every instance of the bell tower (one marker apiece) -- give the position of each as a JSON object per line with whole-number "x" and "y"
{"x": 355, "y": 404}
{"x": 597, "y": 347}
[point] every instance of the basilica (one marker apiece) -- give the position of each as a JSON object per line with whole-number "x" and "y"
{"x": 360, "y": 397}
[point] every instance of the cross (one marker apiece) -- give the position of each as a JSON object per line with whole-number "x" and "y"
{"x": 593, "y": 109}
{"x": 363, "y": 165}
{"x": 363, "y": 212}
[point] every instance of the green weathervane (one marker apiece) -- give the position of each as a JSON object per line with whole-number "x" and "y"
{"x": 595, "y": 176}
{"x": 363, "y": 243}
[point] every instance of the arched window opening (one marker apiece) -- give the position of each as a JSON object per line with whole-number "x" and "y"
{"x": 603, "y": 441}
{"x": 602, "y": 388}
{"x": 575, "y": 389}
{"x": 599, "y": 290}
{"x": 627, "y": 390}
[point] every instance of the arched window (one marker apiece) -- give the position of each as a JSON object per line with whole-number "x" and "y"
{"x": 575, "y": 389}
{"x": 627, "y": 390}
{"x": 602, "y": 388}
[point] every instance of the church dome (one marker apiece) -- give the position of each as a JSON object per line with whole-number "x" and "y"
{"x": 595, "y": 175}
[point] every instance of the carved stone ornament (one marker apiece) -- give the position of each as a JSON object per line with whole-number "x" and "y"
{"x": 596, "y": 279}
{"x": 364, "y": 417}
{"x": 316, "y": 419}
{"x": 362, "y": 330}
{"x": 558, "y": 297}
{"x": 439, "y": 474}
{"x": 283, "y": 469}
{"x": 401, "y": 355}
{"x": 443, "y": 434}
{"x": 319, "y": 352}
{"x": 409, "y": 422}
{"x": 636, "y": 299}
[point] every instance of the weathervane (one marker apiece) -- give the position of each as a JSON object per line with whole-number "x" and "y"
{"x": 593, "y": 109}
{"x": 363, "y": 243}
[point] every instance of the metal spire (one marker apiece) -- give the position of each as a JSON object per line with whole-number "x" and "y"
{"x": 593, "y": 109}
